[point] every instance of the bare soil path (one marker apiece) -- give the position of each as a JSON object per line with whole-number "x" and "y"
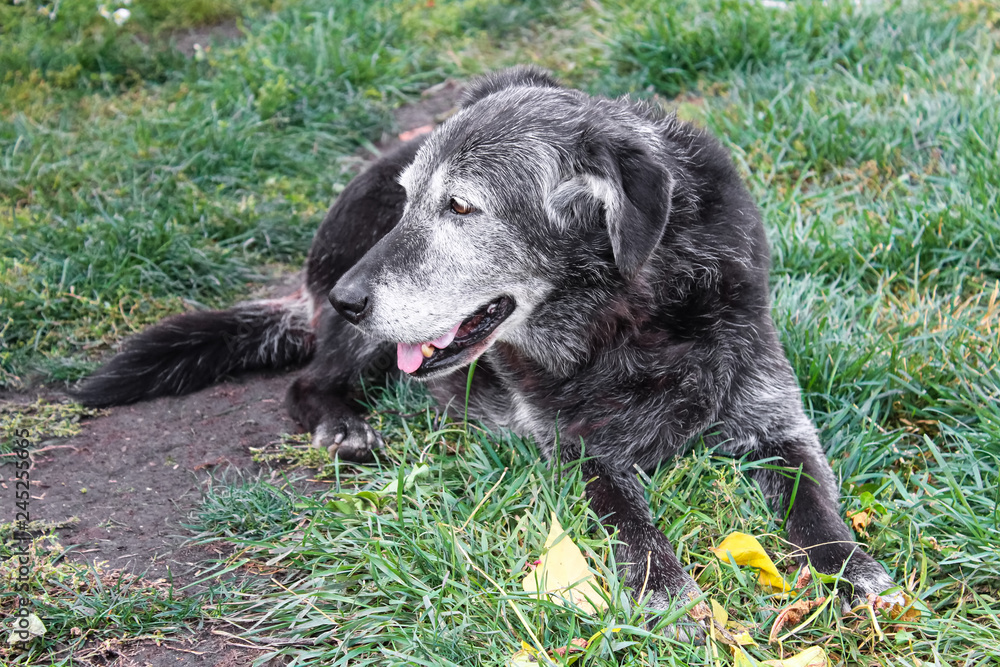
{"x": 130, "y": 480}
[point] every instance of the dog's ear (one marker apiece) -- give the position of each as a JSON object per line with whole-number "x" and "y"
{"x": 523, "y": 75}
{"x": 621, "y": 180}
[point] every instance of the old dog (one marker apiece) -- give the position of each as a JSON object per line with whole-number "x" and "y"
{"x": 606, "y": 267}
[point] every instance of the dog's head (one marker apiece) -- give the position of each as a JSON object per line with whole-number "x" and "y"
{"x": 526, "y": 185}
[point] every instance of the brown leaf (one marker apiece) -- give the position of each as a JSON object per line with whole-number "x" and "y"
{"x": 861, "y": 519}
{"x": 896, "y": 611}
{"x": 575, "y": 646}
{"x": 792, "y": 615}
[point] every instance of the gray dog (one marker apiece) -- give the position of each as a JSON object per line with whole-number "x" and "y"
{"x": 604, "y": 264}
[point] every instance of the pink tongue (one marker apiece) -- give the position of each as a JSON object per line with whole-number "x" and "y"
{"x": 409, "y": 357}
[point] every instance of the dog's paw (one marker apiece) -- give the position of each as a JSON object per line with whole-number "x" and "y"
{"x": 351, "y": 440}
{"x": 692, "y": 627}
{"x": 894, "y": 600}
{"x": 872, "y": 586}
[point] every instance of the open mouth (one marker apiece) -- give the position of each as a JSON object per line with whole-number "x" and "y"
{"x": 459, "y": 345}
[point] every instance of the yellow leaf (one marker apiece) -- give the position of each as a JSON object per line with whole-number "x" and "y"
{"x": 814, "y": 656}
{"x": 528, "y": 656}
{"x": 734, "y": 633}
{"x": 719, "y": 613}
{"x": 563, "y": 574}
{"x": 600, "y": 633}
{"x": 746, "y": 550}
{"x": 738, "y": 633}
{"x": 742, "y": 659}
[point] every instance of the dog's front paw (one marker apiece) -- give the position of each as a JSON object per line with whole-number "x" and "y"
{"x": 692, "y": 626}
{"x": 872, "y": 585}
{"x": 351, "y": 440}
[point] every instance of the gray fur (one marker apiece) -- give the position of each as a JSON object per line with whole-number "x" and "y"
{"x": 639, "y": 267}
{"x": 612, "y": 281}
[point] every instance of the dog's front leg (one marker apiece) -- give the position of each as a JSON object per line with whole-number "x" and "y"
{"x": 644, "y": 554}
{"x": 804, "y": 490}
{"x": 319, "y": 399}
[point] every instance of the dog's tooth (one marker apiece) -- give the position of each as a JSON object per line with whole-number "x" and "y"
{"x": 426, "y": 349}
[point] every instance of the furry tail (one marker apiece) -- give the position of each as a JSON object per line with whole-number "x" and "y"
{"x": 187, "y": 352}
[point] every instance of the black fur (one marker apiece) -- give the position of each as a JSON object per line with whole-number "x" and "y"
{"x": 191, "y": 351}
{"x": 639, "y": 268}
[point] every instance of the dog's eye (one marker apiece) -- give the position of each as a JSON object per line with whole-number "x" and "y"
{"x": 461, "y": 206}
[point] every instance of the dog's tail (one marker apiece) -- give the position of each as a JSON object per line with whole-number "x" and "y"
{"x": 190, "y": 351}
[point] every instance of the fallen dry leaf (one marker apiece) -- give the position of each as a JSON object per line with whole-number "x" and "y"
{"x": 732, "y": 632}
{"x": 741, "y": 659}
{"x": 563, "y": 573}
{"x": 746, "y": 550}
{"x": 577, "y": 645}
{"x": 28, "y": 631}
{"x": 897, "y": 611}
{"x": 814, "y": 656}
{"x": 792, "y": 615}
{"x": 719, "y": 613}
{"x": 861, "y": 519}
{"x": 529, "y": 656}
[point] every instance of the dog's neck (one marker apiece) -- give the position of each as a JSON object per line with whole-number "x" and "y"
{"x": 566, "y": 335}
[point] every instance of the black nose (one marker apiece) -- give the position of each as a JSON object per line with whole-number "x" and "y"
{"x": 350, "y": 300}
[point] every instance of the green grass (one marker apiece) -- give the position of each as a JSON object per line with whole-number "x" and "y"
{"x": 869, "y": 135}
{"x": 115, "y": 206}
{"x": 42, "y": 419}
{"x": 88, "y": 611}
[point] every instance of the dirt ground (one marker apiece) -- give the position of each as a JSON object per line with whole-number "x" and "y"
{"x": 131, "y": 478}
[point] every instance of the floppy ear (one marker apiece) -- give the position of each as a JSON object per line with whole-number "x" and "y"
{"x": 621, "y": 179}
{"x": 522, "y": 75}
